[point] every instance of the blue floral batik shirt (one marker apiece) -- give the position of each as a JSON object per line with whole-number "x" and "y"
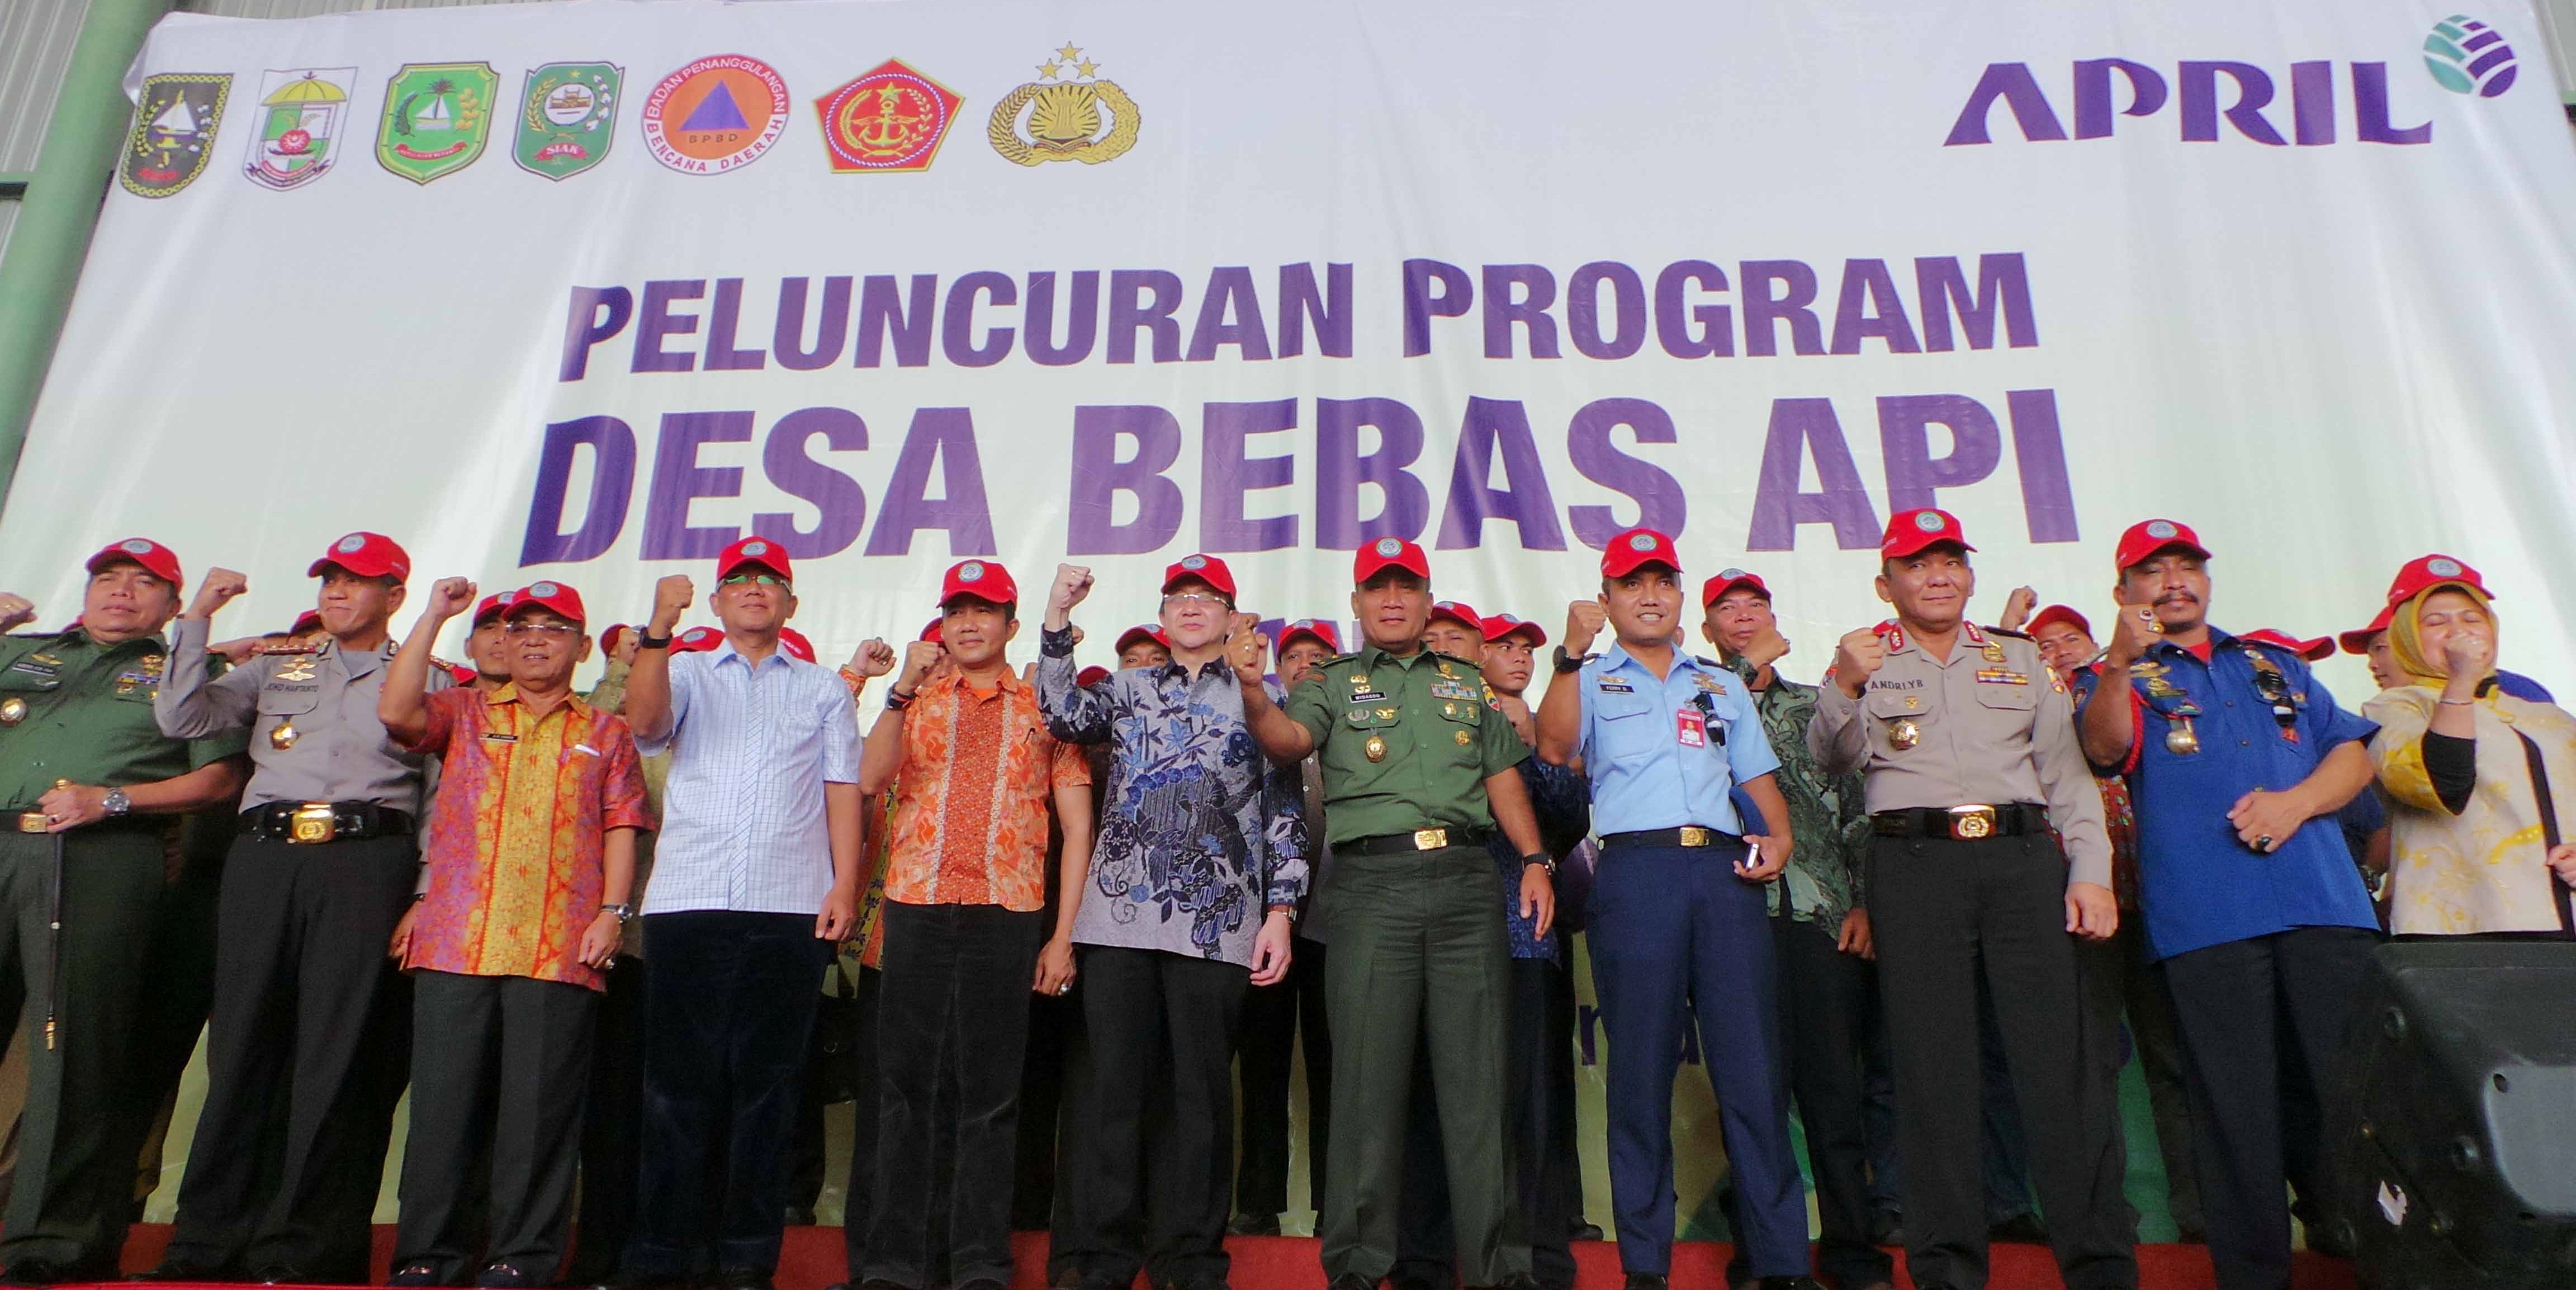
{"x": 1199, "y": 833}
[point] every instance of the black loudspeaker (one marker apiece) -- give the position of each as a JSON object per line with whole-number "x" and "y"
{"x": 2458, "y": 1161}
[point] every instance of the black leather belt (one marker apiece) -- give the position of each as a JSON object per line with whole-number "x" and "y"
{"x": 312, "y": 822}
{"x": 1688, "y": 835}
{"x": 1418, "y": 840}
{"x": 1962, "y": 823}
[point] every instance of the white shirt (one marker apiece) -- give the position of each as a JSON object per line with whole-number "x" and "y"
{"x": 743, "y": 825}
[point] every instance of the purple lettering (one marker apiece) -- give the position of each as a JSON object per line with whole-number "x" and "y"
{"x": 1870, "y": 306}
{"x": 1905, "y": 446}
{"x": 1675, "y": 315}
{"x": 1230, "y": 314}
{"x": 659, "y": 322}
{"x": 1762, "y": 309}
{"x": 842, "y": 506}
{"x": 2312, "y": 110}
{"x": 1330, "y": 310}
{"x": 1421, "y": 304}
{"x": 1227, "y": 475}
{"x": 722, "y": 324}
{"x": 830, "y": 332}
{"x": 1505, "y": 307}
{"x": 944, "y": 437}
{"x": 2370, "y": 109}
{"x": 1523, "y": 499}
{"x": 612, "y": 485}
{"x": 1081, "y": 321}
{"x": 1341, "y": 470}
{"x": 1801, "y": 428}
{"x": 2094, "y": 115}
{"x": 1100, "y": 475}
{"x": 2200, "y": 110}
{"x": 1660, "y": 503}
{"x": 584, "y": 327}
{"x": 2013, "y": 83}
{"x": 881, "y": 311}
{"x": 679, "y": 480}
{"x": 1627, "y": 310}
{"x": 2039, "y": 454}
{"x": 1128, "y": 311}
{"x": 957, "y": 328}
{"x": 2003, "y": 283}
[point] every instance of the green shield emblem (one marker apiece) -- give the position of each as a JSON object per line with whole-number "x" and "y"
{"x": 567, "y": 118}
{"x": 174, "y": 131}
{"x": 437, "y": 118}
{"x": 300, "y": 114}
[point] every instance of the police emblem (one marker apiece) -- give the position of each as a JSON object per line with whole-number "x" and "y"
{"x": 174, "y": 131}
{"x": 299, "y": 120}
{"x": 716, "y": 114}
{"x": 437, "y": 118}
{"x": 892, "y": 119}
{"x": 567, "y": 118}
{"x": 1064, "y": 115}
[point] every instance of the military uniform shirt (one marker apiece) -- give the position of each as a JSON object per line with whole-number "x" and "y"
{"x": 1989, "y": 731}
{"x": 340, "y": 752}
{"x": 87, "y": 717}
{"x": 1644, "y": 776}
{"x": 1440, "y": 742}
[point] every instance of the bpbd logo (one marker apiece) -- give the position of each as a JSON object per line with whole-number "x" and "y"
{"x": 2217, "y": 97}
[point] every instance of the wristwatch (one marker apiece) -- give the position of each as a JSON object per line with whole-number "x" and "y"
{"x": 625, "y": 912}
{"x": 645, "y": 639}
{"x": 1541, "y": 859}
{"x": 1570, "y": 662}
{"x": 118, "y": 803}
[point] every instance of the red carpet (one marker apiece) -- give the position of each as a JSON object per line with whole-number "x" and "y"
{"x": 813, "y": 1260}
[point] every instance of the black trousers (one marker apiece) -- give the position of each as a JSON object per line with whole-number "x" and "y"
{"x": 308, "y": 1047}
{"x": 1943, "y": 912}
{"x": 1054, "y": 1025}
{"x": 1276, "y": 1018}
{"x": 2120, "y": 982}
{"x": 956, "y": 985}
{"x": 1538, "y": 1135}
{"x": 612, "y": 1127}
{"x": 2250, "y": 1012}
{"x": 728, "y": 1011}
{"x": 858, "y": 1189}
{"x": 499, "y": 1069}
{"x": 1149, "y": 1188}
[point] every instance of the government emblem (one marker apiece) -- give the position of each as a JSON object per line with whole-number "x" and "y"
{"x": 174, "y": 131}
{"x": 716, "y": 114}
{"x": 567, "y": 117}
{"x": 1068, "y": 114}
{"x": 437, "y": 118}
{"x": 892, "y": 119}
{"x": 300, "y": 113}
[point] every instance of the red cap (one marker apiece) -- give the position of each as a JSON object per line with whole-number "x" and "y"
{"x": 794, "y": 642}
{"x": 1319, "y": 629}
{"x": 932, "y": 632}
{"x": 1205, "y": 568}
{"x": 1389, "y": 553}
{"x": 2146, "y": 537}
{"x": 2357, "y": 641}
{"x": 1715, "y": 589}
{"x": 2428, "y": 571}
{"x": 158, "y": 560}
{"x": 1459, "y": 614}
{"x": 308, "y": 621}
{"x": 608, "y": 639}
{"x": 491, "y": 607}
{"x": 557, "y": 596}
{"x": 368, "y": 555}
{"x": 1140, "y": 633}
{"x": 1638, "y": 547}
{"x": 1500, "y": 626}
{"x": 755, "y": 549}
{"x": 2311, "y": 650}
{"x": 2058, "y": 614}
{"x": 697, "y": 640}
{"x": 1911, "y": 531}
{"x": 1091, "y": 676}
{"x": 985, "y": 580}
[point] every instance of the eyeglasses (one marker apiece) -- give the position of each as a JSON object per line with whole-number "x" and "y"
{"x": 554, "y": 631}
{"x": 1202, "y": 599}
{"x": 764, "y": 579}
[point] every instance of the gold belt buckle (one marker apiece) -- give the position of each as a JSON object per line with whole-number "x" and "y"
{"x": 313, "y": 822}
{"x": 1695, "y": 836}
{"x": 1971, "y": 822}
{"x": 33, "y": 822}
{"x": 1430, "y": 839}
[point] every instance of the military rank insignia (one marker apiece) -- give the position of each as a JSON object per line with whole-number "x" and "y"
{"x": 1068, "y": 114}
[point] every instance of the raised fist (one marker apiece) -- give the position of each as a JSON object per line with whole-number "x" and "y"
{"x": 1072, "y": 583}
{"x": 218, "y": 590}
{"x": 919, "y": 658}
{"x": 1767, "y": 647}
{"x": 873, "y": 658}
{"x": 450, "y": 597}
{"x": 1247, "y": 651}
{"x": 1856, "y": 657}
{"x": 2467, "y": 656}
{"x": 2017, "y": 608}
{"x": 1583, "y": 621}
{"x": 672, "y": 596}
{"x": 16, "y": 611}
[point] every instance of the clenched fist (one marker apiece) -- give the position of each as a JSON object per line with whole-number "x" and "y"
{"x": 1857, "y": 657}
{"x": 1767, "y": 647}
{"x": 2017, "y": 608}
{"x": 873, "y": 658}
{"x": 16, "y": 611}
{"x": 919, "y": 658}
{"x": 450, "y": 597}
{"x": 218, "y": 590}
{"x": 1583, "y": 621}
{"x": 672, "y": 597}
{"x": 1247, "y": 651}
{"x": 1072, "y": 583}
{"x": 2137, "y": 631}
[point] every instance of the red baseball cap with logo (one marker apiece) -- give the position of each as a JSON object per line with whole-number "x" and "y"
{"x": 1389, "y": 553}
{"x": 1140, "y": 634}
{"x": 308, "y": 621}
{"x": 934, "y": 630}
{"x": 368, "y": 555}
{"x": 985, "y": 580}
{"x": 1205, "y": 568}
{"x": 1637, "y": 547}
{"x": 1501, "y": 626}
{"x": 2058, "y": 614}
{"x": 697, "y": 640}
{"x": 2147, "y": 537}
{"x": 2357, "y": 641}
{"x": 491, "y": 607}
{"x": 1909, "y": 532}
{"x": 755, "y": 549}
{"x": 2425, "y": 572}
{"x": 794, "y": 642}
{"x": 1460, "y": 614}
{"x": 1727, "y": 580}
{"x": 557, "y": 596}
{"x": 1091, "y": 676}
{"x": 2311, "y": 650}
{"x": 1316, "y": 629}
{"x": 158, "y": 560}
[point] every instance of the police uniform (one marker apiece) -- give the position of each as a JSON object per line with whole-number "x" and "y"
{"x": 306, "y": 1004}
{"x": 1969, "y": 762}
{"x": 73, "y": 709}
{"x": 1404, "y": 744}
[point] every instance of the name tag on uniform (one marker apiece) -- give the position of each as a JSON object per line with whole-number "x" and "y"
{"x": 1366, "y": 696}
{"x": 2001, "y": 676}
{"x": 33, "y": 668}
{"x": 498, "y": 737}
{"x": 1693, "y": 728}
{"x": 1617, "y": 687}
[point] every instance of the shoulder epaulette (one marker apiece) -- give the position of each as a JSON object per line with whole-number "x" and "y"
{"x": 2006, "y": 631}
{"x": 1455, "y": 659}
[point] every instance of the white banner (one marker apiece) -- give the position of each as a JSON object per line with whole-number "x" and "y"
{"x": 583, "y": 291}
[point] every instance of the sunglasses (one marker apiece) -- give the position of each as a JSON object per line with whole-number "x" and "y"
{"x": 553, "y": 631}
{"x": 764, "y": 579}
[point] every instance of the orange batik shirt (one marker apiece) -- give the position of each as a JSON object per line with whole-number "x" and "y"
{"x": 971, "y": 803}
{"x": 518, "y": 833}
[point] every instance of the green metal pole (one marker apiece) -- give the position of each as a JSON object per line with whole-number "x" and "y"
{"x": 60, "y": 208}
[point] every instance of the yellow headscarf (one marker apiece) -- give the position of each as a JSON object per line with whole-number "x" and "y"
{"x": 2406, "y": 641}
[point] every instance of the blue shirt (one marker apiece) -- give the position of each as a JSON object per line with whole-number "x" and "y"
{"x": 1644, "y": 776}
{"x": 2200, "y": 884}
{"x": 1558, "y": 799}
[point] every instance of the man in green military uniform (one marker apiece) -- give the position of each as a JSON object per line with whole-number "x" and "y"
{"x": 93, "y": 794}
{"x": 1417, "y": 774}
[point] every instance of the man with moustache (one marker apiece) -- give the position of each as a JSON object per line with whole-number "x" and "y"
{"x": 1969, "y": 758}
{"x": 1417, "y": 773}
{"x": 2262, "y": 926}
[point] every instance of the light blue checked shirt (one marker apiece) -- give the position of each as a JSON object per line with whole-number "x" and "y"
{"x": 743, "y": 826}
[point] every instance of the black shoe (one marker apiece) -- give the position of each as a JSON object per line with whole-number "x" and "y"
{"x": 2021, "y": 1229}
{"x": 416, "y": 1274}
{"x": 280, "y": 1274}
{"x": 2192, "y": 1234}
{"x": 1583, "y": 1231}
{"x": 1887, "y": 1227}
{"x": 1645, "y": 1281}
{"x": 39, "y": 1272}
{"x": 800, "y": 1216}
{"x": 184, "y": 1270}
{"x": 508, "y": 1276}
{"x": 1254, "y": 1225}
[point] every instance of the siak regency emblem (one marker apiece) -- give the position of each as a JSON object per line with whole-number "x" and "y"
{"x": 890, "y": 120}
{"x": 174, "y": 131}
{"x": 437, "y": 118}
{"x": 1070, "y": 115}
{"x": 300, "y": 114}
{"x": 716, "y": 114}
{"x": 567, "y": 118}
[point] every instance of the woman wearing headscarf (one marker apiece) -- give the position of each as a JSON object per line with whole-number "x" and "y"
{"x": 2481, "y": 783}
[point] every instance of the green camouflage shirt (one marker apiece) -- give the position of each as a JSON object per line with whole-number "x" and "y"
{"x": 1828, "y": 816}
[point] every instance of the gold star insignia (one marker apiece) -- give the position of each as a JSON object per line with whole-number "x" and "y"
{"x": 1086, "y": 67}
{"x": 1049, "y": 69}
{"x": 1068, "y": 53}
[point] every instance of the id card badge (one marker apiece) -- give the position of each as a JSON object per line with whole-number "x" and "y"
{"x": 1693, "y": 728}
